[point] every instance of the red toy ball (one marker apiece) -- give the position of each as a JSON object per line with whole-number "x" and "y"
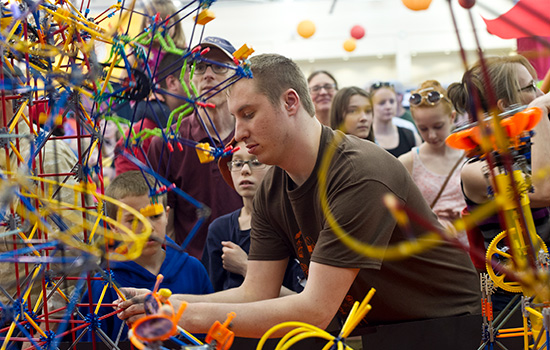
{"x": 467, "y": 4}
{"x": 357, "y": 32}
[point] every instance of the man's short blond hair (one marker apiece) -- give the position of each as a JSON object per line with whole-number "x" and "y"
{"x": 274, "y": 74}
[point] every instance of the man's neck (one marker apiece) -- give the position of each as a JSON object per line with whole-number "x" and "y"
{"x": 302, "y": 157}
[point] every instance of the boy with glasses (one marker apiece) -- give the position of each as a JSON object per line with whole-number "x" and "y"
{"x": 228, "y": 243}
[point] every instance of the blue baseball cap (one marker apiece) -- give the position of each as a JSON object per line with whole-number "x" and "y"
{"x": 219, "y": 43}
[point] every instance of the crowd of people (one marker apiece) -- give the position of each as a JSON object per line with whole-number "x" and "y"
{"x": 266, "y": 248}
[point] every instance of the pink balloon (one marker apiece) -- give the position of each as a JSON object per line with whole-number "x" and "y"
{"x": 357, "y": 32}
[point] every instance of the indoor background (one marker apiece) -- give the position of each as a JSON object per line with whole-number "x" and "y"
{"x": 399, "y": 45}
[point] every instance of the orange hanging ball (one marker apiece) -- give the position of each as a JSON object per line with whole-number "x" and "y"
{"x": 417, "y": 5}
{"x": 350, "y": 45}
{"x": 306, "y": 28}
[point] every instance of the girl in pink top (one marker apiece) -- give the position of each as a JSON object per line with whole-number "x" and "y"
{"x": 433, "y": 161}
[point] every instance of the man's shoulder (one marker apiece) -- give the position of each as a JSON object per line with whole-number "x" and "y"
{"x": 360, "y": 161}
{"x": 272, "y": 188}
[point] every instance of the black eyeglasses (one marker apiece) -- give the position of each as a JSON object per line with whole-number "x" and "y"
{"x": 432, "y": 97}
{"x": 380, "y": 84}
{"x": 201, "y": 67}
{"x": 237, "y": 165}
{"x": 318, "y": 88}
{"x": 532, "y": 87}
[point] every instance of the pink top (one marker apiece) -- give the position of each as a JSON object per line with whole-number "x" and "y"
{"x": 451, "y": 202}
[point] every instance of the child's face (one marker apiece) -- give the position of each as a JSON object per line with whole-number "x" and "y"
{"x": 158, "y": 223}
{"x": 247, "y": 179}
{"x": 384, "y": 103}
{"x": 434, "y": 124}
{"x": 358, "y": 119}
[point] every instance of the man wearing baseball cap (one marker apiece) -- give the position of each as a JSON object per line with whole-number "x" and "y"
{"x": 203, "y": 182}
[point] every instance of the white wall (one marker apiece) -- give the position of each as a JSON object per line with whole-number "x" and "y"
{"x": 400, "y": 44}
{"x": 362, "y": 71}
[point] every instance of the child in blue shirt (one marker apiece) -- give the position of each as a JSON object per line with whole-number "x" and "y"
{"x": 182, "y": 272}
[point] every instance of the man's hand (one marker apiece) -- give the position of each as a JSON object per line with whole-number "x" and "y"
{"x": 234, "y": 258}
{"x": 132, "y": 308}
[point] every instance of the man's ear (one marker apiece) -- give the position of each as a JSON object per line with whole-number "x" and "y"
{"x": 291, "y": 101}
{"x": 170, "y": 82}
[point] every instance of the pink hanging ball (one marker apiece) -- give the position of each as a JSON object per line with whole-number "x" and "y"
{"x": 357, "y": 32}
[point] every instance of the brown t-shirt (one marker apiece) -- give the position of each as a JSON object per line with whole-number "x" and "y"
{"x": 289, "y": 221}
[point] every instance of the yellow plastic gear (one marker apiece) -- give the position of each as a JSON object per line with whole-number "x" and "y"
{"x": 499, "y": 280}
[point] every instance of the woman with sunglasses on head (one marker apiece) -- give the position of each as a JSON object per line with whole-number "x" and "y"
{"x": 322, "y": 87}
{"x": 434, "y": 166}
{"x": 511, "y": 81}
{"x": 395, "y": 139}
{"x": 351, "y": 112}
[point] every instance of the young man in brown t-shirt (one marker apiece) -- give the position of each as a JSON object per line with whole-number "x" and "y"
{"x": 275, "y": 119}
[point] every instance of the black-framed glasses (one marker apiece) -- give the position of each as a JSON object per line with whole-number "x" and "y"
{"x": 237, "y": 165}
{"x": 381, "y": 84}
{"x": 532, "y": 87}
{"x": 432, "y": 97}
{"x": 317, "y": 88}
{"x": 200, "y": 68}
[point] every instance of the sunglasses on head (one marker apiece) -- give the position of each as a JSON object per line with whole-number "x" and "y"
{"x": 380, "y": 84}
{"x": 432, "y": 97}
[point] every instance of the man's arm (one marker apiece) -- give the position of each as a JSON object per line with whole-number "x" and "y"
{"x": 256, "y": 304}
{"x": 266, "y": 274}
{"x": 317, "y": 304}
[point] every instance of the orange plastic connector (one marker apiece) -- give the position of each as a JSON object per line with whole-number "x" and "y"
{"x": 489, "y": 310}
{"x": 152, "y": 209}
{"x": 205, "y": 16}
{"x": 514, "y": 126}
{"x": 204, "y": 152}
{"x": 243, "y": 53}
{"x": 220, "y": 334}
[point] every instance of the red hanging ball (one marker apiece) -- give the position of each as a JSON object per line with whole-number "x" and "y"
{"x": 467, "y": 4}
{"x": 357, "y": 32}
